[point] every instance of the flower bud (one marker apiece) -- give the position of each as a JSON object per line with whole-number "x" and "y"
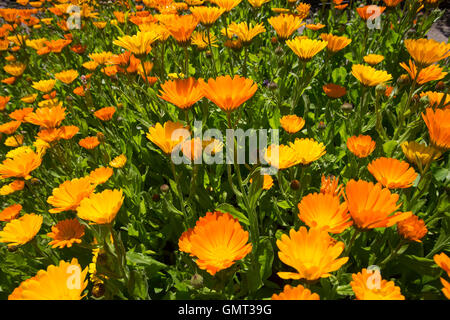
{"x": 347, "y": 107}
{"x": 279, "y": 51}
{"x": 295, "y": 184}
{"x": 274, "y": 40}
{"x": 403, "y": 80}
{"x": 425, "y": 100}
{"x": 101, "y": 137}
{"x": 98, "y": 290}
{"x": 164, "y": 188}
{"x": 197, "y": 281}
{"x": 380, "y": 89}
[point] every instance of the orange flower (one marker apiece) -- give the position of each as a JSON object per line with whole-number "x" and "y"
{"x": 313, "y": 254}
{"x": 20, "y": 166}
{"x": 20, "y": 114}
{"x": 167, "y": 137}
{"x": 302, "y": 9}
{"x": 306, "y": 49}
{"x": 285, "y": 25}
{"x": 369, "y": 76}
{"x": 101, "y": 208}
{"x": 370, "y": 11}
{"x": 182, "y": 92}
{"x": 67, "y": 76}
{"x": 22, "y": 230}
{"x": 335, "y": 43}
{"x": 47, "y": 117}
{"x": 101, "y": 57}
{"x": 67, "y": 132}
{"x": 430, "y": 73}
{"x": 218, "y": 240}
{"x": 435, "y": 99}
{"x": 229, "y": 93}
{"x": 14, "y": 186}
{"x": 361, "y": 146}
{"x": 49, "y": 135}
{"x": 443, "y": 261}
{"x": 267, "y": 182}
{"x": 10, "y": 127}
{"x": 330, "y": 185}
{"x": 181, "y": 28}
{"x": 65, "y": 233}
{"x": 297, "y": 293}
{"x": 368, "y": 285}
{"x": 228, "y": 5}
{"x": 334, "y": 90}
{"x": 105, "y": 113}
{"x": 373, "y": 59}
{"x": 292, "y": 123}
{"x": 412, "y": 228}
{"x": 3, "y": 102}
{"x": 245, "y": 32}
{"x": 207, "y": 15}
{"x": 425, "y": 52}
{"x": 392, "y": 173}
{"x": 89, "y": 142}
{"x": 438, "y": 124}
{"x": 371, "y": 205}
{"x": 315, "y": 27}
{"x": 69, "y": 194}
{"x": 10, "y": 213}
{"x": 324, "y": 211}
{"x": 118, "y": 162}
{"x": 101, "y": 175}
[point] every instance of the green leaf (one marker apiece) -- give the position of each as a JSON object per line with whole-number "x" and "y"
{"x": 225, "y": 207}
{"x": 265, "y": 257}
{"x": 151, "y": 265}
{"x": 389, "y": 147}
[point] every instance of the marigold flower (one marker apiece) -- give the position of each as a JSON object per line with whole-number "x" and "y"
{"x": 200, "y": 39}
{"x": 20, "y": 114}
{"x": 217, "y": 241}
{"x": 101, "y": 175}
{"x": 334, "y": 90}
{"x": 427, "y": 51}
{"x": 369, "y": 76}
{"x": 419, "y": 154}
{"x": 295, "y": 293}
{"x": 430, "y": 73}
{"x": 280, "y": 156}
{"x": 306, "y": 49}
{"x": 67, "y": 76}
{"x": 435, "y": 98}
{"x": 392, "y": 3}
{"x": 227, "y": 4}
{"x": 446, "y": 289}
{"x": 15, "y": 69}
{"x": 412, "y": 228}
{"x": 47, "y": 117}
{"x": 105, "y": 114}
{"x": 68, "y": 195}
{"x": 140, "y": 43}
{"x": 307, "y": 150}
{"x": 207, "y": 15}
{"x": 315, "y": 27}
{"x": 267, "y": 182}
{"x": 65, "y": 233}
{"x": 245, "y": 32}
{"x": 371, "y": 11}
{"x": 9, "y": 80}
{"x": 118, "y": 162}
{"x": 181, "y": 28}
{"x": 443, "y": 261}
{"x": 168, "y": 136}
{"x": 292, "y": 123}
{"x": 101, "y": 208}
{"x": 257, "y": 3}
{"x": 11, "y": 212}
{"x": 335, "y": 43}
{"x": 371, "y": 205}
{"x": 90, "y": 65}
{"x": 14, "y": 186}
{"x": 182, "y": 92}
{"x": 67, "y": 132}
{"x": 89, "y": 142}
{"x": 14, "y": 141}
{"x": 313, "y": 254}
{"x": 303, "y": 10}
{"x": 102, "y": 57}
{"x": 392, "y": 173}
{"x": 361, "y": 146}
{"x": 330, "y": 185}
{"x": 51, "y": 284}
{"x": 368, "y": 285}
{"x": 229, "y": 93}
{"x": 44, "y": 85}
{"x": 3, "y": 102}
{"x": 22, "y": 230}
{"x": 10, "y": 127}
{"x": 285, "y": 25}
{"x": 373, "y": 59}
{"x": 20, "y": 166}
{"x": 438, "y": 124}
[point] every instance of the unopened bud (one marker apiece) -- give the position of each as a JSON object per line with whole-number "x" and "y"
{"x": 164, "y": 188}
{"x": 380, "y": 89}
{"x": 403, "y": 80}
{"x": 197, "y": 281}
{"x": 347, "y": 107}
{"x": 295, "y": 184}
{"x": 274, "y": 40}
{"x": 98, "y": 290}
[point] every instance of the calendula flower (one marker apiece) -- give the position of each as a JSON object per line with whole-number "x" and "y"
{"x": 292, "y": 123}
{"x": 324, "y": 211}
{"x": 302, "y": 10}
{"x": 257, "y": 3}
{"x": 14, "y": 141}
{"x": 419, "y": 154}
{"x": 181, "y": 28}
{"x": 435, "y": 98}
{"x": 335, "y": 43}
{"x": 368, "y": 285}
{"x": 18, "y": 151}
{"x": 20, "y": 166}
{"x": 52, "y": 284}
{"x": 228, "y": 5}
{"x": 200, "y": 39}
{"x": 438, "y": 124}
{"x": 217, "y": 242}
{"x": 44, "y": 85}
{"x": 412, "y": 228}
{"x": 229, "y": 93}
{"x": 371, "y": 205}
{"x": 373, "y": 59}
{"x": 425, "y": 52}
{"x": 22, "y": 230}
{"x": 11, "y": 212}
{"x": 89, "y": 142}
{"x": 14, "y": 186}
{"x": 334, "y": 90}
{"x": 330, "y": 185}
{"x": 371, "y": 11}
{"x": 307, "y": 150}
{"x": 267, "y": 182}
{"x": 67, "y": 76}
{"x": 168, "y": 136}
{"x": 65, "y": 233}
{"x": 207, "y": 16}
{"x": 68, "y": 195}
{"x": 446, "y": 289}
{"x": 361, "y": 146}
{"x": 20, "y": 114}
{"x": 369, "y": 76}
{"x": 183, "y": 93}
{"x": 102, "y": 57}
{"x": 10, "y": 127}
{"x": 245, "y": 32}
{"x": 443, "y": 261}
{"x": 101, "y": 175}
{"x": 392, "y": 173}
{"x": 315, "y": 27}
{"x": 313, "y": 254}
{"x": 3, "y": 102}
{"x": 105, "y": 114}
{"x": 140, "y": 43}
{"x": 118, "y": 162}
{"x": 15, "y": 69}
{"x": 285, "y": 25}
{"x": 90, "y": 65}
{"x": 101, "y": 208}
{"x": 280, "y": 156}
{"x": 306, "y": 49}
{"x": 295, "y": 293}
{"x": 47, "y": 117}
{"x": 67, "y": 132}
{"x": 392, "y": 3}
{"x": 430, "y": 73}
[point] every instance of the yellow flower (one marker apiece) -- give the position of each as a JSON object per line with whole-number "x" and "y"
{"x": 373, "y": 59}
{"x": 15, "y": 69}
{"x": 280, "y": 156}
{"x": 14, "y": 141}
{"x": 427, "y": 51}
{"x": 245, "y": 32}
{"x": 227, "y": 4}
{"x": 68, "y": 195}
{"x": 90, "y": 65}
{"x": 20, "y": 166}
{"x": 168, "y": 136}
{"x": 369, "y": 76}
{"x": 307, "y": 150}
{"x": 302, "y": 9}
{"x": 102, "y": 207}
{"x": 285, "y": 25}
{"x": 65, "y": 233}
{"x": 22, "y": 230}
{"x": 138, "y": 44}
{"x": 368, "y": 285}
{"x": 101, "y": 57}
{"x": 257, "y": 3}
{"x": 419, "y": 154}
{"x": 207, "y": 15}
{"x": 200, "y": 39}
{"x": 29, "y": 98}
{"x": 292, "y": 123}
{"x": 44, "y": 85}
{"x": 306, "y": 49}
{"x": 67, "y": 76}
{"x": 335, "y": 43}
{"x": 118, "y": 162}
